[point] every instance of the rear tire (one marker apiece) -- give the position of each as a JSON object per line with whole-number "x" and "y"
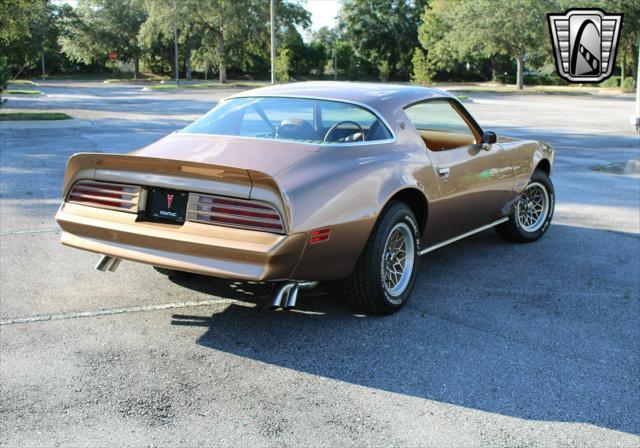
{"x": 532, "y": 215}
{"x": 386, "y": 271}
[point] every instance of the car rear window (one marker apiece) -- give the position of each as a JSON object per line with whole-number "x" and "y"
{"x": 293, "y": 119}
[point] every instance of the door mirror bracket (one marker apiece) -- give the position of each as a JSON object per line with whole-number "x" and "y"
{"x": 489, "y": 138}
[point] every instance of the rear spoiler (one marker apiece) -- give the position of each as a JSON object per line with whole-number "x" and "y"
{"x": 170, "y": 173}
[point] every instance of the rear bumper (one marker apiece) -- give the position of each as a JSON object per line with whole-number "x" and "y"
{"x": 200, "y": 248}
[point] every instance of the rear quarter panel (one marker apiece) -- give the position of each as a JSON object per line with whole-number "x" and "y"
{"x": 525, "y": 156}
{"x": 345, "y": 188}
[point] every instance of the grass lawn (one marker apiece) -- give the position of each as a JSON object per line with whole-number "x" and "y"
{"x": 28, "y": 116}
{"x": 129, "y": 80}
{"x": 21, "y": 92}
{"x": 512, "y": 89}
{"x": 148, "y": 77}
{"x": 22, "y": 82}
{"x": 216, "y": 85}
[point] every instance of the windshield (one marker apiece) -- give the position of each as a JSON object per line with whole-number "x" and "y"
{"x": 296, "y": 119}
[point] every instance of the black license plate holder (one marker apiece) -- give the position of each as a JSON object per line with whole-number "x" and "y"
{"x": 167, "y": 205}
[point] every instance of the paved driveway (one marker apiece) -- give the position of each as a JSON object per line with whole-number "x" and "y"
{"x": 501, "y": 344}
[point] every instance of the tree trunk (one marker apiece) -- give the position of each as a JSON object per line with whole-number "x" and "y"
{"x": 624, "y": 59}
{"x": 187, "y": 65}
{"x": 520, "y": 75}
{"x": 634, "y": 60}
{"x": 223, "y": 72}
{"x": 136, "y": 66}
{"x": 494, "y": 74}
{"x": 222, "y": 66}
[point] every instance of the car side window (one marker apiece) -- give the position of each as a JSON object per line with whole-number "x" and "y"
{"x": 440, "y": 125}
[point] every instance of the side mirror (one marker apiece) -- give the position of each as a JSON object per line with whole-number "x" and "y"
{"x": 489, "y": 138}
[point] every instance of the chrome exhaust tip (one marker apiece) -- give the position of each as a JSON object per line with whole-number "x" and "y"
{"x": 281, "y": 296}
{"x": 114, "y": 264}
{"x": 292, "y": 298}
{"x": 287, "y": 294}
{"x": 107, "y": 263}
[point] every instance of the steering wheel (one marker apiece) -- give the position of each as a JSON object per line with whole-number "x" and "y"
{"x": 333, "y": 128}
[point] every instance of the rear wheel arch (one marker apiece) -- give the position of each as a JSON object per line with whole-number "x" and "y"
{"x": 367, "y": 289}
{"x": 417, "y": 202}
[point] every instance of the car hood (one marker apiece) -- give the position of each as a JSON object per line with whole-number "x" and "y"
{"x": 268, "y": 156}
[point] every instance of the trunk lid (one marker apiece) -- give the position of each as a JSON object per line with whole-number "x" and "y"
{"x": 267, "y": 156}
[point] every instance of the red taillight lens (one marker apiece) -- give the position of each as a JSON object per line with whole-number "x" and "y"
{"x": 234, "y": 213}
{"x": 106, "y": 195}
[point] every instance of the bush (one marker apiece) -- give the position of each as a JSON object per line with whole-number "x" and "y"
{"x": 283, "y": 65}
{"x": 629, "y": 84}
{"x": 384, "y": 70}
{"x": 353, "y": 70}
{"x": 421, "y": 72}
{"x": 614, "y": 81}
{"x": 4, "y": 75}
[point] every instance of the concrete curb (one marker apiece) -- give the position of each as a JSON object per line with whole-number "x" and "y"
{"x": 632, "y": 167}
{"x": 45, "y": 124}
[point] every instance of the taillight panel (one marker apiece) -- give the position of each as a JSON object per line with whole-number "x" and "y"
{"x": 241, "y": 213}
{"x": 126, "y": 198}
{"x": 203, "y": 208}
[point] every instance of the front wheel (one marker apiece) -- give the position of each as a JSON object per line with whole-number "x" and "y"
{"x": 532, "y": 214}
{"x": 387, "y": 268}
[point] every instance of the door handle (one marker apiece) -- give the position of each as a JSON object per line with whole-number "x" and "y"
{"x": 444, "y": 172}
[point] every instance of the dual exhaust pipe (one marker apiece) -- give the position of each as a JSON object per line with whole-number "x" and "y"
{"x": 286, "y": 296}
{"x": 107, "y": 263}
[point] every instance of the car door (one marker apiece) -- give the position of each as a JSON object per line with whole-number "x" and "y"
{"x": 475, "y": 180}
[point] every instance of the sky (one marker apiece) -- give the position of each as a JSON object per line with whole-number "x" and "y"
{"x": 322, "y": 12}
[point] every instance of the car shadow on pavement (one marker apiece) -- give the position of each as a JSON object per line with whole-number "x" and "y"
{"x": 546, "y": 331}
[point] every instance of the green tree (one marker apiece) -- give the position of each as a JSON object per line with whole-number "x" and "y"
{"x": 4, "y": 75}
{"x": 383, "y": 33}
{"x": 323, "y": 35}
{"x": 630, "y": 36}
{"x": 326, "y": 39}
{"x": 292, "y": 41}
{"x": 165, "y": 19}
{"x": 421, "y": 72}
{"x": 316, "y": 57}
{"x": 514, "y": 28}
{"x": 436, "y": 53}
{"x": 221, "y": 33}
{"x": 16, "y": 17}
{"x": 290, "y": 16}
{"x": 101, "y": 26}
{"x": 28, "y": 32}
{"x": 284, "y": 65}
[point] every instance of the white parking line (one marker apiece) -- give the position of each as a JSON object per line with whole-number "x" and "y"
{"x": 21, "y": 232}
{"x": 133, "y": 309}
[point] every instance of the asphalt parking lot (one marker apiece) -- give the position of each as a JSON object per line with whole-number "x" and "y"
{"x": 500, "y": 345}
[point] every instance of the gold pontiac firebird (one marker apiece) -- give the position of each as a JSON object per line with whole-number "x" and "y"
{"x": 300, "y": 183}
